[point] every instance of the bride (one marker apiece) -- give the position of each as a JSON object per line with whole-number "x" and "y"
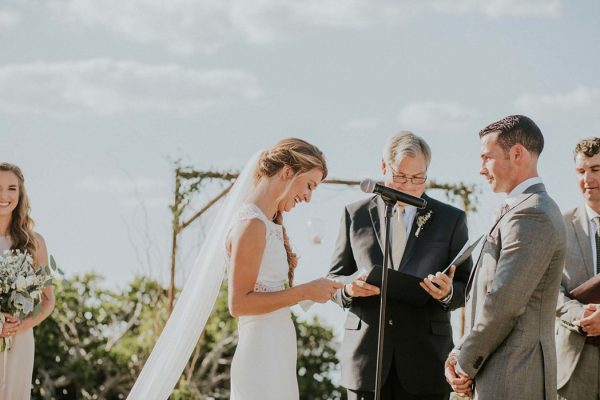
{"x": 248, "y": 237}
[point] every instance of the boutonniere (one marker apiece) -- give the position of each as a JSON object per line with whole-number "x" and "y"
{"x": 421, "y": 221}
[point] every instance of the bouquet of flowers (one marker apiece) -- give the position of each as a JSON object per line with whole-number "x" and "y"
{"x": 21, "y": 287}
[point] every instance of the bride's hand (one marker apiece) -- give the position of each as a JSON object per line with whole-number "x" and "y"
{"x": 10, "y": 325}
{"x": 321, "y": 290}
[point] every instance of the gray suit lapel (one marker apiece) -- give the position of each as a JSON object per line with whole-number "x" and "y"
{"x": 530, "y": 191}
{"x": 582, "y": 232}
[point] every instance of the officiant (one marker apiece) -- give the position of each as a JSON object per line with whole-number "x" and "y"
{"x": 578, "y": 324}
{"x": 418, "y": 333}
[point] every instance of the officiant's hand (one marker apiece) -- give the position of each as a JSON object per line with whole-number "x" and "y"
{"x": 10, "y": 325}
{"x": 439, "y": 285}
{"x": 590, "y": 323}
{"x": 360, "y": 288}
{"x": 461, "y": 384}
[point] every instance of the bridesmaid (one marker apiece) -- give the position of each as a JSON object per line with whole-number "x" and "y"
{"x": 16, "y": 232}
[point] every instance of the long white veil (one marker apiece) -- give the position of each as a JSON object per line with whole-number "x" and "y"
{"x": 196, "y": 301}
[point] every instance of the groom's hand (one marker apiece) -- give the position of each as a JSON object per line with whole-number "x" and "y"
{"x": 439, "y": 285}
{"x": 461, "y": 384}
{"x": 360, "y": 288}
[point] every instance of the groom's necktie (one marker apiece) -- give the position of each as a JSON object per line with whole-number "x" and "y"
{"x": 398, "y": 236}
{"x": 597, "y": 237}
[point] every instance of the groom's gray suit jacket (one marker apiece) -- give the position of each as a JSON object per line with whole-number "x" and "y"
{"x": 509, "y": 346}
{"x": 418, "y": 334}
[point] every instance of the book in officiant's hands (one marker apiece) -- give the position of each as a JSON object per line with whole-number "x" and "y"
{"x": 405, "y": 287}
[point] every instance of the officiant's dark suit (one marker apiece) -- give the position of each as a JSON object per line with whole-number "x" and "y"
{"x": 418, "y": 334}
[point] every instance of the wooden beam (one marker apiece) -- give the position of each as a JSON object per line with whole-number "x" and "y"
{"x": 204, "y": 209}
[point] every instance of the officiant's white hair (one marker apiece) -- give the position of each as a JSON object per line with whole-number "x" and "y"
{"x": 403, "y": 144}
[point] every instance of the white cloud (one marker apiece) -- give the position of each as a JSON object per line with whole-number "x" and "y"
{"x": 190, "y": 26}
{"x": 8, "y": 20}
{"x": 107, "y": 87}
{"x": 579, "y": 101}
{"x": 434, "y": 116}
{"x": 118, "y": 185}
{"x": 500, "y": 8}
{"x": 132, "y": 192}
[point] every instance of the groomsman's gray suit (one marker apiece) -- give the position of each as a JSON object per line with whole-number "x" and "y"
{"x": 509, "y": 348}
{"x": 418, "y": 334}
{"x": 578, "y": 361}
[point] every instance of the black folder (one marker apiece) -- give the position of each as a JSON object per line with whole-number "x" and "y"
{"x": 401, "y": 287}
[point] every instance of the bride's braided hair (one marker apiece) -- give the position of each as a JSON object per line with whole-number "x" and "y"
{"x": 20, "y": 229}
{"x": 301, "y": 157}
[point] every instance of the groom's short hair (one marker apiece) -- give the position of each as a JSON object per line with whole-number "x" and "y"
{"x": 403, "y": 144}
{"x": 516, "y": 129}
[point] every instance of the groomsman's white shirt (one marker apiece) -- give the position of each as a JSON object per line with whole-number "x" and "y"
{"x": 591, "y": 214}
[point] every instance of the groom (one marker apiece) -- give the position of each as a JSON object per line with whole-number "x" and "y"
{"x": 508, "y": 351}
{"x": 418, "y": 333}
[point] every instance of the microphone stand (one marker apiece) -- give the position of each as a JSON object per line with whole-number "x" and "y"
{"x": 389, "y": 209}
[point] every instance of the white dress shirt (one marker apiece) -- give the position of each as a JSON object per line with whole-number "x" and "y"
{"x": 593, "y": 229}
{"x": 520, "y": 189}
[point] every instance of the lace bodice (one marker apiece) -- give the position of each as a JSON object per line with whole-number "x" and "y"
{"x": 273, "y": 271}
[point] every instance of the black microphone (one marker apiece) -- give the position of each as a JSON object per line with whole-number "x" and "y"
{"x": 370, "y": 186}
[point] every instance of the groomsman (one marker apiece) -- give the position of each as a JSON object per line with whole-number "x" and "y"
{"x": 418, "y": 333}
{"x": 508, "y": 351}
{"x": 578, "y": 327}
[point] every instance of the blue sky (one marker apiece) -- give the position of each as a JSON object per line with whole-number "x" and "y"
{"x": 98, "y": 98}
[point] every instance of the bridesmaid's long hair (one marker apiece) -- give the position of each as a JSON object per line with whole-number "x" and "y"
{"x": 301, "y": 157}
{"x": 20, "y": 228}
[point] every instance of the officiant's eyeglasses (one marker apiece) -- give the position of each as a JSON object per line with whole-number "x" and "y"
{"x": 401, "y": 178}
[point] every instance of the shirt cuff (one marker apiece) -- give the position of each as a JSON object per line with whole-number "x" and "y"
{"x": 446, "y": 300}
{"x": 345, "y": 298}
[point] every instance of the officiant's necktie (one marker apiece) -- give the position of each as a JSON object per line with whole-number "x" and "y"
{"x": 398, "y": 236}
{"x": 597, "y": 236}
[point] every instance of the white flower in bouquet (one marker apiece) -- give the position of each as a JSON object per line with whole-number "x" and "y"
{"x": 30, "y": 280}
{"x": 21, "y": 282}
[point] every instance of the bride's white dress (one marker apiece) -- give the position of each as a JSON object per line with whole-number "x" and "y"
{"x": 264, "y": 364}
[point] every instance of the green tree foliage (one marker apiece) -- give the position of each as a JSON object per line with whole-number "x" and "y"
{"x": 317, "y": 361}
{"x": 96, "y": 341}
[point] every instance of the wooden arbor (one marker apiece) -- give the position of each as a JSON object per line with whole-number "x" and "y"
{"x": 189, "y": 181}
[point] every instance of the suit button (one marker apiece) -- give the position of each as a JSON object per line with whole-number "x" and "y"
{"x": 468, "y": 296}
{"x": 391, "y": 322}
